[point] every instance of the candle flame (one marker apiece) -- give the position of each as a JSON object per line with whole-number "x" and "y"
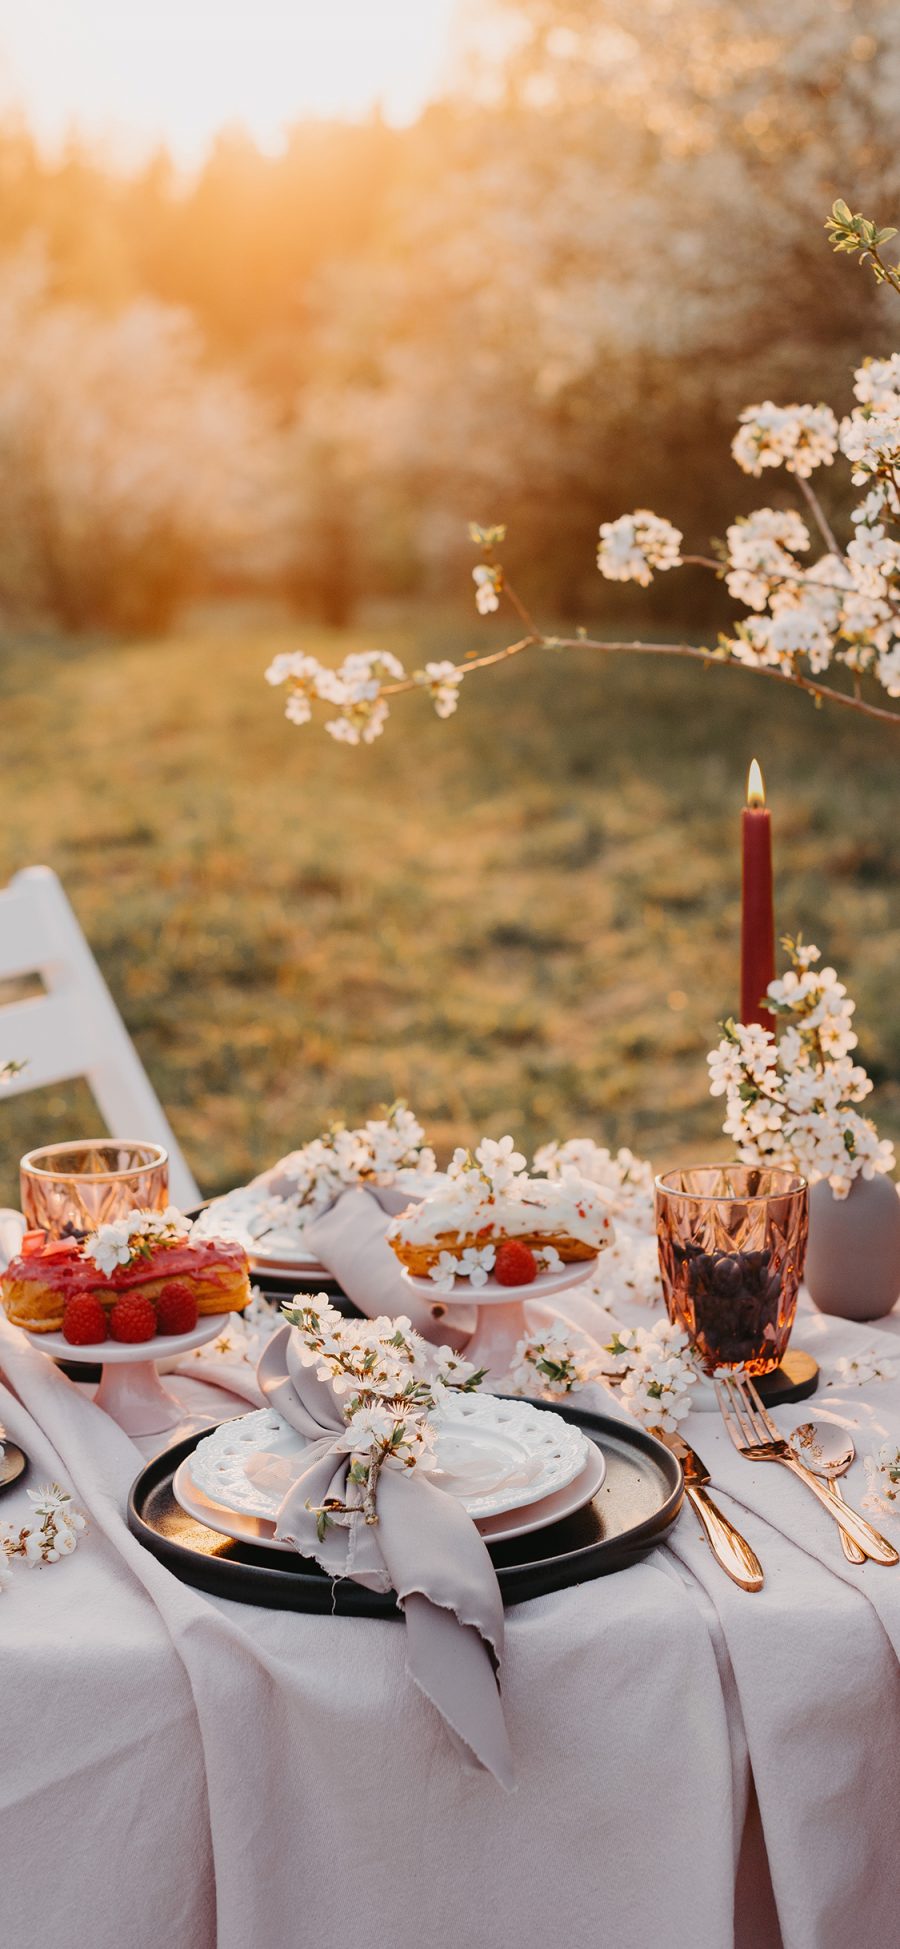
{"x": 756, "y": 791}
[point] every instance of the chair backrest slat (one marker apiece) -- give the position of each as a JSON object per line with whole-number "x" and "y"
{"x": 74, "y": 1029}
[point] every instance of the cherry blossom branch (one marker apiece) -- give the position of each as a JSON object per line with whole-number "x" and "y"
{"x": 821, "y": 693}
{"x": 818, "y": 513}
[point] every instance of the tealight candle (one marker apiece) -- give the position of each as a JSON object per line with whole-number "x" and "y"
{"x": 757, "y": 905}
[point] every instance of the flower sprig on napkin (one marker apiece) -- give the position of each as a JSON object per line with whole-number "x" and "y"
{"x": 857, "y": 1370}
{"x": 389, "y": 1382}
{"x": 883, "y": 1480}
{"x": 54, "y": 1533}
{"x": 311, "y": 1178}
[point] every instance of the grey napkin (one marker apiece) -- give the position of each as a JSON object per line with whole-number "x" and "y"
{"x": 424, "y": 1546}
{"x": 350, "y": 1239}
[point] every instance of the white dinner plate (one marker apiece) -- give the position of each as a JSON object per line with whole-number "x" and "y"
{"x": 273, "y": 1237}
{"x": 493, "y": 1454}
{"x": 234, "y": 1217}
{"x": 495, "y": 1529}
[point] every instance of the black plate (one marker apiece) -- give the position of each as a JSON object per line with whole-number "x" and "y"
{"x": 633, "y": 1509}
{"x": 13, "y": 1463}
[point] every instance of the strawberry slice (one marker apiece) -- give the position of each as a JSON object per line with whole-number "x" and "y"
{"x": 61, "y": 1248}
{"x": 32, "y": 1244}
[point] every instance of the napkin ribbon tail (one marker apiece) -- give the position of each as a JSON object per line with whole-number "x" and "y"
{"x": 451, "y": 1665}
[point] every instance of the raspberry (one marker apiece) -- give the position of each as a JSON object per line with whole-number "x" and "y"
{"x": 515, "y": 1264}
{"x": 176, "y": 1309}
{"x": 84, "y": 1321}
{"x": 132, "y": 1318}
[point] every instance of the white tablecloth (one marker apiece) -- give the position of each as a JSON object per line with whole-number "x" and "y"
{"x": 178, "y": 1772}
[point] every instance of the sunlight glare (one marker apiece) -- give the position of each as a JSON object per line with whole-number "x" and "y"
{"x": 178, "y": 70}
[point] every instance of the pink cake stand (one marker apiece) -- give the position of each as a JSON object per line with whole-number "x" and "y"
{"x": 501, "y": 1322}
{"x": 130, "y": 1389}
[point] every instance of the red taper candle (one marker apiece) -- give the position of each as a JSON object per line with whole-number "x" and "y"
{"x": 757, "y": 905}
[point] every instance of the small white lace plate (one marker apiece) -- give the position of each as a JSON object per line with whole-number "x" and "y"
{"x": 494, "y": 1454}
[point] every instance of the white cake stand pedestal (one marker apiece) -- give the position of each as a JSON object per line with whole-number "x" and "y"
{"x": 501, "y": 1322}
{"x": 130, "y": 1390}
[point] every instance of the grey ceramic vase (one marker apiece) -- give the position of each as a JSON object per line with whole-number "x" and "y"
{"x": 853, "y": 1257}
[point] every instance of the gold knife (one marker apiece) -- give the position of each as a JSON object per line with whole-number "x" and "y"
{"x": 730, "y": 1549}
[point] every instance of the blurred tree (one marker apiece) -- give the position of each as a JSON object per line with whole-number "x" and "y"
{"x": 546, "y": 301}
{"x": 126, "y": 469}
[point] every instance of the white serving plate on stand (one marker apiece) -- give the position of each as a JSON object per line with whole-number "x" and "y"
{"x": 504, "y": 1528}
{"x": 130, "y": 1388}
{"x": 501, "y": 1320}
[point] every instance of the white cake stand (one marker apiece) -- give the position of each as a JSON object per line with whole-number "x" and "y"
{"x": 501, "y": 1322}
{"x": 130, "y": 1389}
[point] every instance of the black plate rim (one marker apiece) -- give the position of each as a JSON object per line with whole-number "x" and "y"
{"x": 261, "y": 1583}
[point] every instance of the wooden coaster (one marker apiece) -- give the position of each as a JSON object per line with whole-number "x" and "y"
{"x": 795, "y": 1380}
{"x": 13, "y": 1463}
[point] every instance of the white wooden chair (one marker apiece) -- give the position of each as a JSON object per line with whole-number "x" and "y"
{"x": 74, "y": 1028}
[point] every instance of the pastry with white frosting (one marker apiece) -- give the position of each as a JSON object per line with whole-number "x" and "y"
{"x": 488, "y": 1199}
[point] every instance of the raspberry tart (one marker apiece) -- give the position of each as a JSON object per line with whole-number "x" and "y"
{"x": 487, "y": 1203}
{"x": 148, "y": 1256}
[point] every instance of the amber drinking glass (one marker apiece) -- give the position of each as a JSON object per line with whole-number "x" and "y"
{"x": 70, "y": 1189}
{"x": 732, "y": 1243}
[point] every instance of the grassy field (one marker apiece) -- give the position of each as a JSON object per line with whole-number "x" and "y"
{"x": 524, "y": 919}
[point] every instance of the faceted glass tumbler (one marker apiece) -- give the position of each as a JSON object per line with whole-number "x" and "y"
{"x": 68, "y": 1190}
{"x": 732, "y": 1244}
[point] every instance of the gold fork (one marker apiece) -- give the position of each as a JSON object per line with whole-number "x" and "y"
{"x": 755, "y": 1435}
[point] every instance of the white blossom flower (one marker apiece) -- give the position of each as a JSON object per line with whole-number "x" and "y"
{"x": 857, "y": 1370}
{"x": 58, "y": 1527}
{"x": 388, "y": 1381}
{"x": 887, "y": 669}
{"x": 657, "y": 1382}
{"x": 874, "y": 559}
{"x": 298, "y": 709}
{"x": 870, "y": 440}
{"x": 877, "y": 381}
{"x": 444, "y": 1271}
{"x": 780, "y": 639}
{"x": 758, "y": 553}
{"x": 500, "y": 1161}
{"x": 134, "y": 1236}
{"x": 442, "y": 681}
{"x": 292, "y": 666}
{"x": 628, "y": 1271}
{"x": 626, "y": 1179}
{"x": 631, "y": 547}
{"x": 799, "y": 438}
{"x": 789, "y": 1101}
{"x": 365, "y": 1429}
{"x": 555, "y": 1363}
{"x": 883, "y": 1480}
{"x": 476, "y": 1264}
{"x": 451, "y": 1370}
{"x": 488, "y": 583}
